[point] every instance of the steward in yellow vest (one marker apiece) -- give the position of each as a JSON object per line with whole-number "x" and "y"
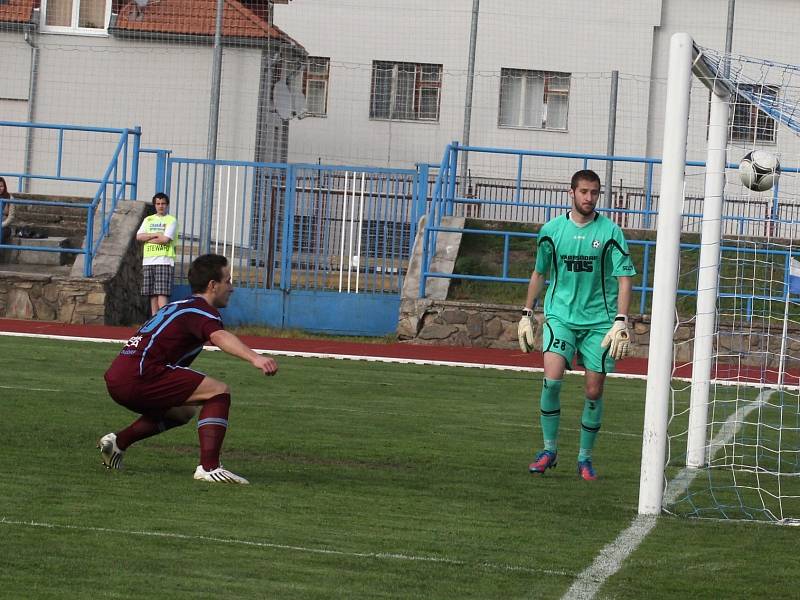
{"x": 158, "y": 232}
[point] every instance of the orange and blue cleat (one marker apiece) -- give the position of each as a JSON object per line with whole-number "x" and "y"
{"x": 546, "y": 459}
{"x": 586, "y": 471}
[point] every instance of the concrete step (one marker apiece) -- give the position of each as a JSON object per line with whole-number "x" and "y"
{"x": 53, "y": 221}
{"x": 34, "y": 257}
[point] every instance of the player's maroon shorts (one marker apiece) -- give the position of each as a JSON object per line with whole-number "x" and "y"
{"x": 154, "y": 392}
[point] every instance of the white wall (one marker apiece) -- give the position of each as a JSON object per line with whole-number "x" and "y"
{"x": 586, "y": 39}
{"x": 115, "y": 82}
{"x": 164, "y": 86}
{"x": 511, "y": 34}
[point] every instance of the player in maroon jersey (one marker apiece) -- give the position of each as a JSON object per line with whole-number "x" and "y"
{"x": 151, "y": 375}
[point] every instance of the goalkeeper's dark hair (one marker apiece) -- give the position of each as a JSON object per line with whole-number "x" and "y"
{"x": 584, "y": 175}
{"x": 204, "y": 269}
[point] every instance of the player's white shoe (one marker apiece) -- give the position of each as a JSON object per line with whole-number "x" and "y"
{"x": 218, "y": 475}
{"x": 112, "y": 455}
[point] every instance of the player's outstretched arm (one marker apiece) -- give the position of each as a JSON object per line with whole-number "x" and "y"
{"x": 227, "y": 342}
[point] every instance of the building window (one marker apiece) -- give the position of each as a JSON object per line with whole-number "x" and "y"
{"x": 315, "y": 86}
{"x": 79, "y": 16}
{"x": 405, "y": 91}
{"x": 748, "y": 122}
{"x": 534, "y": 99}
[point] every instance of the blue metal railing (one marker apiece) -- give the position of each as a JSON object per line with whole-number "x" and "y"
{"x": 119, "y": 179}
{"x": 445, "y": 199}
{"x": 299, "y": 226}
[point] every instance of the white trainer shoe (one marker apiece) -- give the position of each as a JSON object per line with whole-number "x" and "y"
{"x": 112, "y": 455}
{"x": 218, "y": 475}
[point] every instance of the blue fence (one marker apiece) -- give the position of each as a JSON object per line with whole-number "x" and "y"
{"x": 118, "y": 181}
{"x": 522, "y": 201}
{"x": 317, "y": 234}
{"x": 311, "y": 246}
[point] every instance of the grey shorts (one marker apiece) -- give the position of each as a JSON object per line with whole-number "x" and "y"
{"x": 157, "y": 280}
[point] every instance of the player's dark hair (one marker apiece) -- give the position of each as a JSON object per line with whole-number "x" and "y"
{"x": 205, "y": 269}
{"x": 160, "y": 196}
{"x": 584, "y": 175}
{"x": 6, "y": 193}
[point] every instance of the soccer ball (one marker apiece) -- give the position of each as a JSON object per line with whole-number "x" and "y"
{"x": 759, "y": 170}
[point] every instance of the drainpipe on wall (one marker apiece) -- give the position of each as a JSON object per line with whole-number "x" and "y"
{"x": 33, "y": 79}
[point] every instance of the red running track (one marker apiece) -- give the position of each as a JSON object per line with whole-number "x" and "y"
{"x": 401, "y": 351}
{"x": 490, "y": 357}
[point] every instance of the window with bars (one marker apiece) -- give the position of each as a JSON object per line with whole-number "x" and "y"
{"x": 315, "y": 86}
{"x": 748, "y": 122}
{"x": 79, "y": 16}
{"x": 405, "y": 91}
{"x": 534, "y": 99}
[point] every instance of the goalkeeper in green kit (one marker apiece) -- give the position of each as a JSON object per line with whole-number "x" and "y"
{"x": 585, "y": 257}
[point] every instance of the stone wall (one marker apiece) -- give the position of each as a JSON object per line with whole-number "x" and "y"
{"x": 110, "y": 297}
{"x": 442, "y": 322}
{"x": 445, "y": 322}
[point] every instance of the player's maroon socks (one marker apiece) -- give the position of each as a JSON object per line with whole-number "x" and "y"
{"x": 212, "y": 423}
{"x": 144, "y": 427}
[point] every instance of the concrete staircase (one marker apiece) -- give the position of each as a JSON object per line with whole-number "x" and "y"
{"x": 62, "y": 226}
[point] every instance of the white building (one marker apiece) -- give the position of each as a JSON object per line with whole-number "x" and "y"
{"x": 107, "y": 63}
{"x": 386, "y": 82}
{"x": 389, "y": 80}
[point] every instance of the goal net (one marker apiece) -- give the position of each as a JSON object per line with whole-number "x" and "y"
{"x": 722, "y": 425}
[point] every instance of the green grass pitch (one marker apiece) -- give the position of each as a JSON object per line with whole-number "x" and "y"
{"x": 369, "y": 480}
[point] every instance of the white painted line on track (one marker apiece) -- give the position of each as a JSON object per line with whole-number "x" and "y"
{"x": 295, "y": 353}
{"x": 274, "y": 546}
{"x": 611, "y": 557}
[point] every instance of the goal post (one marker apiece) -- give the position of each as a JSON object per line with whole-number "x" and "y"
{"x": 724, "y": 441}
{"x": 708, "y": 273}
{"x": 659, "y": 366}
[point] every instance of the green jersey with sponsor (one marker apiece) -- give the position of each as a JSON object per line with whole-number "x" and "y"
{"x": 582, "y": 263}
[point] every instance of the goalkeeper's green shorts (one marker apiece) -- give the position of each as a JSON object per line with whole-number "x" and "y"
{"x": 561, "y": 339}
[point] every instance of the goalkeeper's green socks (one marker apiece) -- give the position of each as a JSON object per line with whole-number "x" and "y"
{"x": 550, "y": 405}
{"x": 590, "y": 425}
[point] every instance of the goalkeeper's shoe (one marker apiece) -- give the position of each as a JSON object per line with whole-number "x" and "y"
{"x": 218, "y": 475}
{"x": 586, "y": 471}
{"x": 112, "y": 455}
{"x": 546, "y": 459}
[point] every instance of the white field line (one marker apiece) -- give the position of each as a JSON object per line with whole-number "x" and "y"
{"x": 386, "y": 359}
{"x": 683, "y": 480}
{"x": 274, "y": 546}
{"x": 25, "y": 387}
{"x": 536, "y": 426}
{"x": 610, "y": 558}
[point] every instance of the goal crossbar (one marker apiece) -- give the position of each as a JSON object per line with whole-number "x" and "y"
{"x": 727, "y": 77}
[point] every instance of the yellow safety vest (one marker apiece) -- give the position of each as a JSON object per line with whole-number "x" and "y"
{"x": 158, "y": 224}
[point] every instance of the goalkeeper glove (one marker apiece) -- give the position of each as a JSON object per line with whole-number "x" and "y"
{"x": 618, "y": 338}
{"x": 525, "y": 330}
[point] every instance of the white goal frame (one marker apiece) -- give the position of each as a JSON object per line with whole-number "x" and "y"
{"x": 684, "y": 59}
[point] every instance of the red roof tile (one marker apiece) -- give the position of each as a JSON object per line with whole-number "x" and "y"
{"x": 197, "y": 17}
{"x": 16, "y": 11}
